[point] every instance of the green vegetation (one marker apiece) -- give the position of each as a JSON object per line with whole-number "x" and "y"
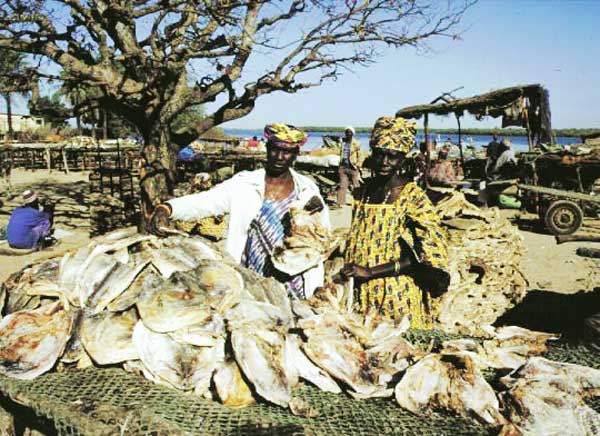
{"x": 512, "y": 131}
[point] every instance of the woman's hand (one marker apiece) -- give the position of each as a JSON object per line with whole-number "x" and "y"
{"x": 356, "y": 271}
{"x": 159, "y": 220}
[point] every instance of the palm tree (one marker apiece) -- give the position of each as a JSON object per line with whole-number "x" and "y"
{"x": 12, "y": 79}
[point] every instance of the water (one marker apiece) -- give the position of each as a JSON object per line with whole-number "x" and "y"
{"x": 315, "y": 139}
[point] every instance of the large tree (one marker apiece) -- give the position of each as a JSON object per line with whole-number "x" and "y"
{"x": 13, "y": 79}
{"x": 152, "y": 59}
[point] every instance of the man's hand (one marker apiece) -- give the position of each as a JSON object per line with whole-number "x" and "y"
{"x": 356, "y": 271}
{"x": 159, "y": 220}
{"x": 314, "y": 205}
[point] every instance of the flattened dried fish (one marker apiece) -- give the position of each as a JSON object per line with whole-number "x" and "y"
{"x": 149, "y": 278}
{"x": 449, "y": 382}
{"x": 231, "y": 387}
{"x": 308, "y": 244}
{"x": 306, "y": 369}
{"x": 187, "y": 299}
{"x": 206, "y": 334}
{"x": 116, "y": 283}
{"x": 97, "y": 272}
{"x": 31, "y": 341}
{"x": 261, "y": 356}
{"x": 180, "y": 254}
{"x": 546, "y": 397}
{"x": 250, "y": 313}
{"x": 107, "y": 337}
{"x": 183, "y": 366}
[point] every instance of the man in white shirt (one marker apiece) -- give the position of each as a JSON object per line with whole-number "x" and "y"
{"x": 257, "y": 202}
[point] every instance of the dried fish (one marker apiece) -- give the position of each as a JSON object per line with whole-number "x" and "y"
{"x": 449, "y": 382}
{"x": 31, "y": 341}
{"x": 107, "y": 337}
{"x": 182, "y": 366}
{"x": 188, "y": 299}
{"x": 233, "y": 391}
{"x": 546, "y": 397}
{"x": 308, "y": 244}
{"x": 260, "y": 354}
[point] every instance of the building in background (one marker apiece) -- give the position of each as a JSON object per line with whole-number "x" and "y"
{"x": 20, "y": 123}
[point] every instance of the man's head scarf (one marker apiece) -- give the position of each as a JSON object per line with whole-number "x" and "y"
{"x": 285, "y": 136}
{"x": 393, "y": 134}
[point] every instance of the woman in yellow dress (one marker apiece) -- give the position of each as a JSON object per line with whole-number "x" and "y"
{"x": 397, "y": 250}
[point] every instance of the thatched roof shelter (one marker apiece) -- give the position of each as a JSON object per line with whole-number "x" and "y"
{"x": 526, "y": 106}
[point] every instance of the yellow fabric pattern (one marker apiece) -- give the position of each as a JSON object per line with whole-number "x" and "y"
{"x": 393, "y": 134}
{"x": 376, "y": 229}
{"x": 285, "y": 135}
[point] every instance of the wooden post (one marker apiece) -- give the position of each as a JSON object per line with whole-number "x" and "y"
{"x": 427, "y": 152}
{"x": 462, "y": 158}
{"x": 63, "y": 151}
{"x": 48, "y": 159}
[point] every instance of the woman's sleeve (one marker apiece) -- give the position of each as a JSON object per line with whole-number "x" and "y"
{"x": 431, "y": 239}
{"x": 215, "y": 201}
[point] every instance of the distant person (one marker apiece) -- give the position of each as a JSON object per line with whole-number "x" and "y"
{"x": 506, "y": 164}
{"x": 253, "y": 143}
{"x": 28, "y": 226}
{"x": 349, "y": 164}
{"x": 494, "y": 148}
{"x": 442, "y": 172}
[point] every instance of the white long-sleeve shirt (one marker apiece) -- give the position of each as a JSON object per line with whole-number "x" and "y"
{"x": 242, "y": 197}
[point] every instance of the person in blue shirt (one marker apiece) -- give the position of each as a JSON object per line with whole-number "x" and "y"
{"x": 29, "y": 226}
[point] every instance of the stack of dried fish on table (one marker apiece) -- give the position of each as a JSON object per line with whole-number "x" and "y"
{"x": 181, "y": 313}
{"x": 485, "y": 254}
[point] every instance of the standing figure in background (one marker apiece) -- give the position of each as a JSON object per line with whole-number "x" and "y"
{"x": 492, "y": 153}
{"x": 349, "y": 170}
{"x": 28, "y": 226}
{"x": 397, "y": 251}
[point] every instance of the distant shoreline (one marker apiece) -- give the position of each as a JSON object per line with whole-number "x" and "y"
{"x": 574, "y": 133}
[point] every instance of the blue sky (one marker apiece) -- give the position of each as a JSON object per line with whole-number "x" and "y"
{"x": 505, "y": 43}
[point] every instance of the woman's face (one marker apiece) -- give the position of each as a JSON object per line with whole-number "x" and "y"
{"x": 386, "y": 162}
{"x": 279, "y": 159}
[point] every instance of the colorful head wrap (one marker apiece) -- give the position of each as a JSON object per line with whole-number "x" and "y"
{"x": 284, "y": 135}
{"x": 393, "y": 134}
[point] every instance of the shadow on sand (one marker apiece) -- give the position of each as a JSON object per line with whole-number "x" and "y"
{"x": 553, "y": 312}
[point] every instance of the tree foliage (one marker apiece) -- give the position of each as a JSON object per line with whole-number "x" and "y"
{"x": 153, "y": 59}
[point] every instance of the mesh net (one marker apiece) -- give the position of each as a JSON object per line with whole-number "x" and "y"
{"x": 111, "y": 401}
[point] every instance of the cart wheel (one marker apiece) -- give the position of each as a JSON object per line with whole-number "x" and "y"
{"x": 563, "y": 217}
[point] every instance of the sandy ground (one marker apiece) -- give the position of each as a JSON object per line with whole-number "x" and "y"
{"x": 546, "y": 265}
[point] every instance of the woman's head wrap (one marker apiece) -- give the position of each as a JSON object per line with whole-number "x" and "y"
{"x": 393, "y": 134}
{"x": 284, "y": 135}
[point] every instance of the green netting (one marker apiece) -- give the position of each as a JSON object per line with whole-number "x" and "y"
{"x": 111, "y": 401}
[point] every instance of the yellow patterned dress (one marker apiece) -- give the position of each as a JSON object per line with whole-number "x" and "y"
{"x": 376, "y": 229}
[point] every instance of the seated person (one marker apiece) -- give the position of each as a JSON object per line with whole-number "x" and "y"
{"x": 442, "y": 172}
{"x": 29, "y": 227}
{"x": 506, "y": 164}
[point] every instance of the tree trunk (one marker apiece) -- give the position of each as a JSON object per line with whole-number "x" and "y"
{"x": 11, "y": 133}
{"x": 157, "y": 172}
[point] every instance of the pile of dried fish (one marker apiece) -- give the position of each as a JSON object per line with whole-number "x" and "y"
{"x": 179, "y": 312}
{"x": 308, "y": 243}
{"x": 485, "y": 254}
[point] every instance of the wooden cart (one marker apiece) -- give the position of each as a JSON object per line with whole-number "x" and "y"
{"x": 561, "y": 211}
